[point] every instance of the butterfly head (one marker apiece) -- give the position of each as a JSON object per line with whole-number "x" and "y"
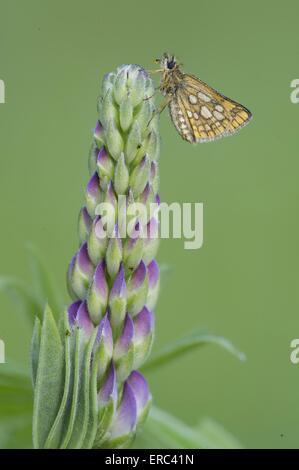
{"x": 167, "y": 62}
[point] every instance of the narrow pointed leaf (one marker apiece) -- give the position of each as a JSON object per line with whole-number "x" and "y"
{"x": 187, "y": 344}
{"x": 49, "y": 380}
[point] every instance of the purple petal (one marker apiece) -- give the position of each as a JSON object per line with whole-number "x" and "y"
{"x": 143, "y": 161}
{"x": 143, "y": 323}
{"x": 98, "y": 131}
{"x": 71, "y": 265}
{"x": 153, "y": 273}
{"x": 119, "y": 288}
{"x": 100, "y": 282}
{"x": 83, "y": 260}
{"x": 72, "y": 312}
{"x": 153, "y": 169}
{"x": 83, "y": 320}
{"x": 93, "y": 186}
{"x": 86, "y": 217}
{"x": 125, "y": 339}
{"x": 140, "y": 388}
{"x": 110, "y": 194}
{"x": 152, "y": 228}
{"x": 102, "y": 156}
{"x": 145, "y": 194}
{"x": 109, "y": 388}
{"x": 105, "y": 333}
{"x": 138, "y": 275}
{"x": 126, "y": 416}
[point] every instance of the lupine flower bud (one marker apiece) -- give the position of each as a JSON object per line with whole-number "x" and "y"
{"x": 104, "y": 165}
{"x": 107, "y": 331}
{"x": 98, "y": 134}
{"x": 80, "y": 272}
{"x": 93, "y": 194}
{"x": 104, "y": 346}
{"x": 151, "y": 242}
{"x": 133, "y": 142}
{"x": 84, "y": 224}
{"x": 123, "y": 354}
{"x": 97, "y": 297}
{"x": 97, "y": 241}
{"x": 137, "y": 289}
{"x": 114, "y": 254}
{"x": 141, "y": 393}
{"x": 121, "y": 176}
{"x": 118, "y": 300}
{"x": 133, "y": 251}
{"x": 143, "y": 336}
{"x": 140, "y": 176}
{"x": 153, "y": 284}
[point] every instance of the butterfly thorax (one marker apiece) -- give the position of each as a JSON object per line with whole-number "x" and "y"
{"x": 171, "y": 81}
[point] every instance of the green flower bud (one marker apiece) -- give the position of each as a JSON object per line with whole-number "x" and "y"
{"x": 80, "y": 273}
{"x": 114, "y": 254}
{"x": 97, "y": 297}
{"x": 140, "y": 176}
{"x": 105, "y": 167}
{"x": 120, "y": 86}
{"x": 133, "y": 142}
{"x": 97, "y": 241}
{"x": 137, "y": 82}
{"x": 114, "y": 140}
{"x": 133, "y": 252}
{"x": 93, "y": 194}
{"x": 123, "y": 354}
{"x": 118, "y": 302}
{"x": 84, "y": 224}
{"x": 144, "y": 116}
{"x": 121, "y": 176}
{"x": 108, "y": 111}
{"x": 126, "y": 114}
{"x": 137, "y": 289}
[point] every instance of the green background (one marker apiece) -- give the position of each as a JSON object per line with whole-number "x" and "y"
{"x": 243, "y": 283}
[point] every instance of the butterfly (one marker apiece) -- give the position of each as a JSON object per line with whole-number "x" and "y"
{"x": 199, "y": 113}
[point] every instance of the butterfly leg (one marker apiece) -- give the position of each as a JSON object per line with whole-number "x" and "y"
{"x": 157, "y": 88}
{"x": 152, "y": 72}
{"x": 161, "y": 108}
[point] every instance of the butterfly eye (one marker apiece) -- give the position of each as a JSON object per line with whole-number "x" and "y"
{"x": 170, "y": 64}
{"x": 157, "y": 61}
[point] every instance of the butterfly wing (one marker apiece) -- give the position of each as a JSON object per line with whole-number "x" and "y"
{"x": 202, "y": 114}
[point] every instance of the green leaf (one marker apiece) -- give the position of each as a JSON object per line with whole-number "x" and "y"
{"x": 22, "y": 297}
{"x": 93, "y": 405}
{"x": 189, "y": 343}
{"x": 58, "y": 429}
{"x": 49, "y": 380}
{"x": 217, "y": 436}
{"x": 164, "y": 431}
{"x": 35, "y": 347}
{"x": 42, "y": 282}
{"x": 75, "y": 356}
{"x": 81, "y": 401}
